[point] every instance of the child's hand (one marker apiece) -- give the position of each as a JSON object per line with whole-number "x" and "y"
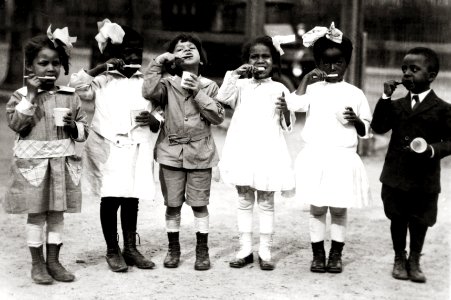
{"x": 169, "y": 58}
{"x": 146, "y": 118}
{"x": 316, "y": 75}
{"x": 244, "y": 69}
{"x": 350, "y": 115}
{"x": 281, "y": 104}
{"x": 192, "y": 83}
{"x": 69, "y": 121}
{"x": 390, "y": 87}
{"x": 114, "y": 63}
{"x": 32, "y": 83}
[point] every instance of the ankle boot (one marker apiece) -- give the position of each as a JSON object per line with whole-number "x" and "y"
{"x": 399, "y": 266}
{"x": 334, "y": 264}
{"x": 172, "y": 258}
{"x": 115, "y": 259}
{"x": 56, "y": 270}
{"x": 131, "y": 255}
{"x": 319, "y": 258}
{"x": 202, "y": 258}
{"x": 414, "y": 270}
{"x": 39, "y": 272}
{"x": 244, "y": 255}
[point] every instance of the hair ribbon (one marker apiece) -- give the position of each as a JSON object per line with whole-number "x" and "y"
{"x": 278, "y": 40}
{"x": 108, "y": 30}
{"x": 331, "y": 33}
{"x": 61, "y": 35}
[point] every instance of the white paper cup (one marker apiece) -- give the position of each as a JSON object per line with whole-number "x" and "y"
{"x": 58, "y": 114}
{"x": 185, "y": 75}
{"x": 134, "y": 113}
{"x": 419, "y": 145}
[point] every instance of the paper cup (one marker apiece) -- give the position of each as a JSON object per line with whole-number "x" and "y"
{"x": 419, "y": 145}
{"x": 58, "y": 114}
{"x": 134, "y": 113}
{"x": 185, "y": 75}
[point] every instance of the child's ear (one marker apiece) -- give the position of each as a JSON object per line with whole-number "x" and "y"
{"x": 432, "y": 76}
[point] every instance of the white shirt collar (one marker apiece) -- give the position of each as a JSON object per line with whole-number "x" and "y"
{"x": 421, "y": 96}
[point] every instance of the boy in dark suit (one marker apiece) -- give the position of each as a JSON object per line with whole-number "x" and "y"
{"x": 411, "y": 180}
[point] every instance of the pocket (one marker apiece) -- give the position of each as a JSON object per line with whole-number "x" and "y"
{"x": 73, "y": 164}
{"x": 33, "y": 170}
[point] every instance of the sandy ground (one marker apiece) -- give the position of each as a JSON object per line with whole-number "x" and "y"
{"x": 367, "y": 255}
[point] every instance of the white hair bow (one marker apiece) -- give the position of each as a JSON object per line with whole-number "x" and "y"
{"x": 277, "y": 40}
{"x": 108, "y": 30}
{"x": 61, "y": 35}
{"x": 332, "y": 33}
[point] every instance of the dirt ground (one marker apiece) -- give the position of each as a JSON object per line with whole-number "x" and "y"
{"x": 367, "y": 257}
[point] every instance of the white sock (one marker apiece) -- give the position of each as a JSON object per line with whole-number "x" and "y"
{"x": 245, "y": 245}
{"x": 35, "y": 235}
{"x": 55, "y": 226}
{"x": 266, "y": 218}
{"x": 264, "y": 250}
{"x": 244, "y": 215}
{"x": 338, "y": 226}
{"x": 173, "y": 223}
{"x": 317, "y": 225}
{"x": 201, "y": 224}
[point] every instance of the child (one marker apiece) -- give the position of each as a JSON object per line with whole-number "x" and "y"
{"x": 329, "y": 173}
{"x": 411, "y": 180}
{"x": 45, "y": 170}
{"x": 255, "y": 157}
{"x": 185, "y": 148}
{"x": 120, "y": 149}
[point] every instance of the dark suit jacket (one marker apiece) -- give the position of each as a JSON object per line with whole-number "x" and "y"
{"x": 431, "y": 120}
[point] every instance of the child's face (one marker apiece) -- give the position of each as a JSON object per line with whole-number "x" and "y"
{"x": 46, "y": 63}
{"x": 132, "y": 54}
{"x": 260, "y": 57}
{"x": 416, "y": 76}
{"x": 188, "y": 52}
{"x": 333, "y": 62}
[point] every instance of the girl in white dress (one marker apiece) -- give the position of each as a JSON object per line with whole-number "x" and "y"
{"x": 255, "y": 157}
{"x": 329, "y": 173}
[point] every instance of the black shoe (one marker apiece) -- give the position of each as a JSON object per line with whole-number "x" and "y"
{"x": 334, "y": 263}
{"x": 115, "y": 260}
{"x": 242, "y": 262}
{"x": 54, "y": 267}
{"x": 39, "y": 272}
{"x": 413, "y": 267}
{"x": 202, "y": 257}
{"x": 266, "y": 265}
{"x": 400, "y": 266}
{"x": 132, "y": 256}
{"x": 172, "y": 258}
{"x": 319, "y": 258}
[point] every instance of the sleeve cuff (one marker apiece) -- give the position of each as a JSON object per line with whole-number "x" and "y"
{"x": 432, "y": 150}
{"x": 385, "y": 96}
{"x": 26, "y": 107}
{"x": 81, "y": 132}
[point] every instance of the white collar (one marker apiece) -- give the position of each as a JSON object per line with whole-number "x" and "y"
{"x": 59, "y": 89}
{"x": 421, "y": 96}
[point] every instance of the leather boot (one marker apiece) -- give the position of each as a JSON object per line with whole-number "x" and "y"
{"x": 399, "y": 266}
{"x": 131, "y": 255}
{"x": 319, "y": 258}
{"x": 202, "y": 258}
{"x": 172, "y": 258}
{"x": 115, "y": 259}
{"x": 334, "y": 263}
{"x": 56, "y": 270}
{"x": 39, "y": 272}
{"x": 414, "y": 270}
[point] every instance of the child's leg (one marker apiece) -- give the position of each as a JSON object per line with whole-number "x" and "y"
{"x": 266, "y": 214}
{"x": 317, "y": 228}
{"x": 173, "y": 184}
{"x": 129, "y": 218}
{"x": 246, "y": 199}
{"x": 35, "y": 241}
{"x": 55, "y": 226}
{"x": 108, "y": 220}
{"x": 337, "y": 231}
{"x": 417, "y": 236}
